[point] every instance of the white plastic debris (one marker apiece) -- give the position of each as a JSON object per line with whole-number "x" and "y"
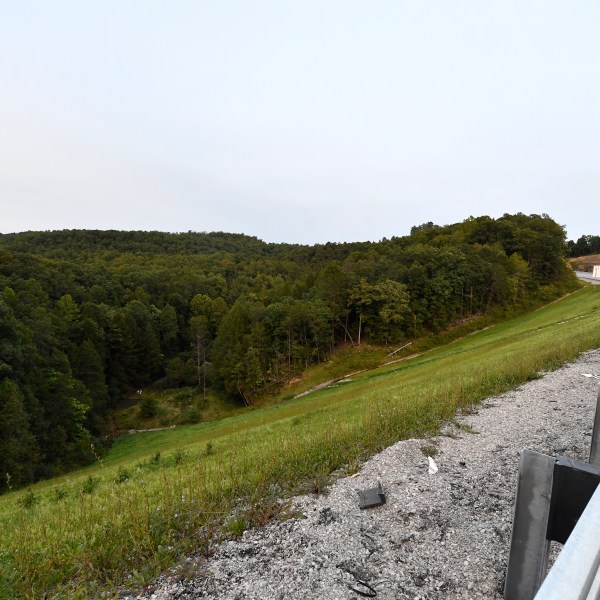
{"x": 590, "y": 375}
{"x": 433, "y": 469}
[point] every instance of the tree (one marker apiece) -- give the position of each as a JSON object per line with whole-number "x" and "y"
{"x": 201, "y": 304}
{"x": 89, "y": 369}
{"x": 360, "y": 299}
{"x": 11, "y": 343}
{"x": 332, "y": 286}
{"x": 152, "y": 355}
{"x": 148, "y": 407}
{"x": 393, "y": 304}
{"x": 380, "y": 305}
{"x": 19, "y": 451}
{"x": 253, "y": 376}
{"x": 168, "y": 329}
{"x": 231, "y": 347}
{"x": 202, "y": 330}
{"x": 176, "y": 370}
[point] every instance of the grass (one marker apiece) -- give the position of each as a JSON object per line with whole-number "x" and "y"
{"x": 170, "y": 407}
{"x": 187, "y": 405}
{"x": 158, "y": 495}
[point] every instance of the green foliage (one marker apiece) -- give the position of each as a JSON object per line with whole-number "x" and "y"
{"x": 29, "y": 499}
{"x": 89, "y": 485}
{"x": 585, "y": 245}
{"x": 148, "y": 407}
{"x": 179, "y": 456}
{"x": 173, "y": 407}
{"x": 429, "y": 450}
{"x": 18, "y": 447}
{"x": 60, "y": 493}
{"x": 87, "y": 317}
{"x": 123, "y": 475}
{"x": 77, "y": 548}
{"x": 175, "y": 371}
{"x": 237, "y": 526}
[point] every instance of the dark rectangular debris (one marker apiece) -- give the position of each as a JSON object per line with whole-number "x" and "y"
{"x": 371, "y": 497}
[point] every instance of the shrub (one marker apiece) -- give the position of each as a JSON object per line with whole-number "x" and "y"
{"x": 60, "y": 493}
{"x": 429, "y": 450}
{"x": 122, "y": 475}
{"x": 237, "y": 526}
{"x": 89, "y": 485}
{"x": 28, "y": 500}
{"x": 148, "y": 407}
{"x": 179, "y": 456}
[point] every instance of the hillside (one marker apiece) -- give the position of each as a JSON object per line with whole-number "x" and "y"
{"x": 443, "y": 536}
{"x": 88, "y": 318}
{"x": 158, "y": 496}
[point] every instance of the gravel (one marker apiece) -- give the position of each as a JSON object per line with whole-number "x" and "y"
{"x": 443, "y": 535}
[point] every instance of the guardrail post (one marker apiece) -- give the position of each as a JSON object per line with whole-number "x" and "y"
{"x": 575, "y": 575}
{"x": 528, "y": 558}
{"x": 595, "y": 446}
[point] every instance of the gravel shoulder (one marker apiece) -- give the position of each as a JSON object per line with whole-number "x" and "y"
{"x": 442, "y": 535}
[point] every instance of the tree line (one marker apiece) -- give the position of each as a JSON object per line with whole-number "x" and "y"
{"x": 88, "y": 316}
{"x": 585, "y": 245}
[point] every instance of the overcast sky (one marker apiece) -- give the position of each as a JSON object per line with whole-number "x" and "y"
{"x": 305, "y": 121}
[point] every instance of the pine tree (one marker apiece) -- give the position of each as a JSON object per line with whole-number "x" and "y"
{"x": 18, "y": 449}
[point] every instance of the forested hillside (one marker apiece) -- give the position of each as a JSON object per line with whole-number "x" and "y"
{"x": 585, "y": 245}
{"x": 88, "y": 316}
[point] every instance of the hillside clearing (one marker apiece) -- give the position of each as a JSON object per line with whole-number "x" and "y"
{"x": 159, "y": 495}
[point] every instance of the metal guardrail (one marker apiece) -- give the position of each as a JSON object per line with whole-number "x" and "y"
{"x": 575, "y": 575}
{"x": 558, "y": 499}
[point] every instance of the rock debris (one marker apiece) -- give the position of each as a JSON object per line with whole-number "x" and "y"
{"x": 438, "y": 536}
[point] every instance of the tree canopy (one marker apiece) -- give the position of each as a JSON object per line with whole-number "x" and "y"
{"x": 88, "y": 316}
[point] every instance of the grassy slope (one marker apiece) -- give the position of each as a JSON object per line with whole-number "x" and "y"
{"x": 86, "y": 531}
{"x": 174, "y": 407}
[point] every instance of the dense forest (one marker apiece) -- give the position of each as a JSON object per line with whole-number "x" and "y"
{"x": 88, "y": 316}
{"x": 585, "y": 245}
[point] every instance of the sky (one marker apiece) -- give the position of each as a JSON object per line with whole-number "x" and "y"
{"x": 298, "y": 121}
